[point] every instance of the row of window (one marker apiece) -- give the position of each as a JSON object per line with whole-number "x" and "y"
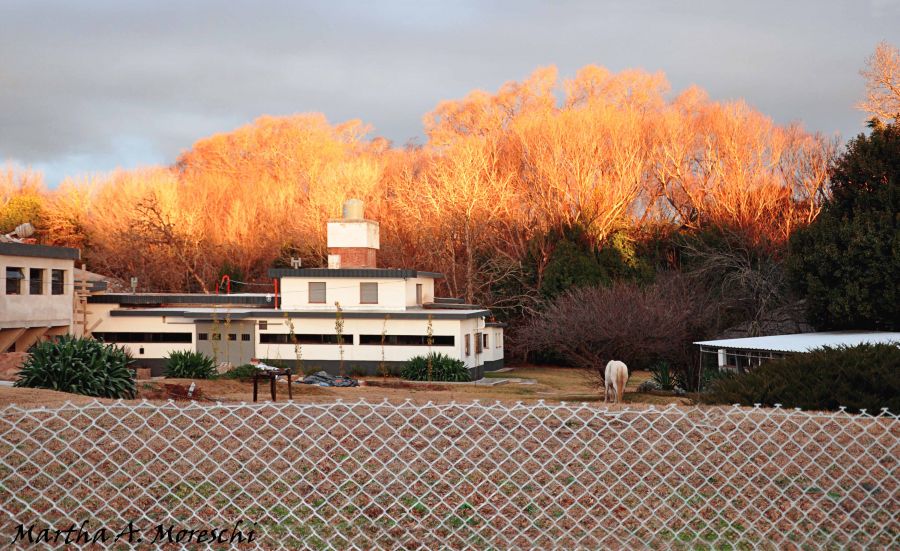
{"x": 218, "y": 336}
{"x": 368, "y": 292}
{"x": 36, "y": 276}
{"x": 136, "y": 338}
{"x": 331, "y": 338}
{"x": 275, "y": 338}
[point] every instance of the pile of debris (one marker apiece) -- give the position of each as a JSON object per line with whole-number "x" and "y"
{"x": 324, "y": 379}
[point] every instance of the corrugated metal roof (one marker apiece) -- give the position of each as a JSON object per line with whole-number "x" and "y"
{"x": 804, "y": 342}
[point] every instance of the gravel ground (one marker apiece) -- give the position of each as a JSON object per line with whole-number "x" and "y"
{"x": 482, "y": 476}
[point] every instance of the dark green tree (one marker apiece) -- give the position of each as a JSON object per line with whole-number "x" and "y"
{"x": 847, "y": 263}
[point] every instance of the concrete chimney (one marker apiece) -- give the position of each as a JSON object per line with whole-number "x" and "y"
{"x": 353, "y": 239}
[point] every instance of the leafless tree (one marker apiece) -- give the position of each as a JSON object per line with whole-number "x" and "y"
{"x": 882, "y": 74}
{"x": 638, "y": 325}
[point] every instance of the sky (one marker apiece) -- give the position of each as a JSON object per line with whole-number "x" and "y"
{"x": 94, "y": 85}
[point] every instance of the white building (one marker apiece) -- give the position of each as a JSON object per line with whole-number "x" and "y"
{"x": 36, "y": 300}
{"x": 745, "y": 353}
{"x": 351, "y": 315}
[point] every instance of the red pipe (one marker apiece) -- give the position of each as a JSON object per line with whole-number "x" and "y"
{"x": 275, "y": 282}
{"x": 226, "y": 279}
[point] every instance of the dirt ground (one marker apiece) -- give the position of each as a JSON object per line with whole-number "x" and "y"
{"x": 465, "y": 476}
{"x": 551, "y": 384}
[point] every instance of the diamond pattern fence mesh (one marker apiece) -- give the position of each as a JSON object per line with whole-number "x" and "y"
{"x": 368, "y": 475}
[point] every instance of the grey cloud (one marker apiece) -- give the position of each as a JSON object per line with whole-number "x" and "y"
{"x": 94, "y": 85}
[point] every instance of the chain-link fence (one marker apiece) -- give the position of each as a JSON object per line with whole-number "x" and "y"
{"x": 480, "y": 476}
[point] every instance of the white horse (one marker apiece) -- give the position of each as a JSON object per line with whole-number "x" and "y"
{"x": 615, "y": 378}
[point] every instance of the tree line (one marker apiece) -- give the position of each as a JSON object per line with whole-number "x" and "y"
{"x": 501, "y": 176}
{"x": 517, "y": 196}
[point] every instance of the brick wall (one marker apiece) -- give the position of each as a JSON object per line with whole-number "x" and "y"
{"x": 355, "y": 257}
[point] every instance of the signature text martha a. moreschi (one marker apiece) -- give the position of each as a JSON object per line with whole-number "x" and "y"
{"x": 161, "y": 534}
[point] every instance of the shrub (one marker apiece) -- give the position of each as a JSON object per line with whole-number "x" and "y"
{"x": 443, "y": 368}
{"x": 79, "y": 365}
{"x": 859, "y": 377}
{"x": 245, "y": 371}
{"x": 662, "y": 375}
{"x": 635, "y": 324}
{"x": 190, "y": 365}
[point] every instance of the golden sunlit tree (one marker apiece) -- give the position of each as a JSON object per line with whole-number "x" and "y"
{"x": 882, "y": 74}
{"x": 501, "y": 176}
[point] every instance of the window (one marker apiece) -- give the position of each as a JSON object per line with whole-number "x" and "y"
{"x": 58, "y": 282}
{"x": 317, "y": 292}
{"x": 408, "y": 340}
{"x": 245, "y": 337}
{"x": 36, "y": 281}
{"x": 263, "y": 325}
{"x": 301, "y": 338}
{"x": 418, "y": 293}
{"x": 232, "y": 336}
{"x": 127, "y": 337}
{"x": 368, "y": 293}
{"x": 14, "y": 277}
{"x": 477, "y": 343}
{"x": 468, "y": 348}
{"x": 499, "y": 340}
{"x": 202, "y": 336}
{"x": 484, "y": 338}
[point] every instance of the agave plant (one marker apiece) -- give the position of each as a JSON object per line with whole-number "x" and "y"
{"x": 442, "y": 368}
{"x": 79, "y": 365}
{"x": 190, "y": 365}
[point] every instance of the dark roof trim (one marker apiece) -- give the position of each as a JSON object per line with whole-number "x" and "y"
{"x": 496, "y": 324}
{"x": 275, "y": 314}
{"x": 381, "y": 273}
{"x": 39, "y": 251}
{"x": 449, "y": 300}
{"x": 449, "y": 306}
{"x": 145, "y": 299}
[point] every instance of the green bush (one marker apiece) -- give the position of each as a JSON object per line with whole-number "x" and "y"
{"x": 662, "y": 375}
{"x": 245, "y": 371}
{"x": 859, "y": 377}
{"x": 190, "y": 365}
{"x": 443, "y": 368}
{"x": 79, "y": 365}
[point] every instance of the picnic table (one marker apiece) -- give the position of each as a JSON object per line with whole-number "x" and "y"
{"x": 264, "y": 372}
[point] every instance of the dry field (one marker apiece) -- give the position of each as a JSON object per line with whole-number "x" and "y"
{"x": 552, "y": 384}
{"x": 481, "y": 476}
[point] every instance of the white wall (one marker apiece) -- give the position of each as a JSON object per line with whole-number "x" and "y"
{"x": 427, "y": 284}
{"x": 358, "y": 327}
{"x": 355, "y": 234}
{"x": 100, "y": 321}
{"x": 149, "y": 324}
{"x": 27, "y": 310}
{"x": 294, "y": 293}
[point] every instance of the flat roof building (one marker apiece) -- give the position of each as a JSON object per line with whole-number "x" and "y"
{"x": 744, "y": 353}
{"x": 37, "y": 295}
{"x": 351, "y": 315}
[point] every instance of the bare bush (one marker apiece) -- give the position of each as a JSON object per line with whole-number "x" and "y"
{"x": 589, "y": 326}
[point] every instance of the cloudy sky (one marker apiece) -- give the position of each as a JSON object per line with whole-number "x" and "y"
{"x": 91, "y": 85}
